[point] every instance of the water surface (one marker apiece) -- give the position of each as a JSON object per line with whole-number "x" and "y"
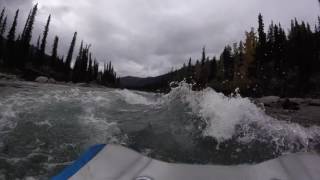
{"x": 44, "y": 127}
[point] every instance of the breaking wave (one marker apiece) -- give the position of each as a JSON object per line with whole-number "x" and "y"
{"x": 235, "y": 117}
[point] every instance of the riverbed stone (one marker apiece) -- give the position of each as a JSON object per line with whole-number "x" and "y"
{"x": 42, "y": 79}
{"x": 290, "y": 105}
{"x": 7, "y": 77}
{"x": 314, "y": 102}
{"x": 52, "y": 81}
{"x": 268, "y": 100}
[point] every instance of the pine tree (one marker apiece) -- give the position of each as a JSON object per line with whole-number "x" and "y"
{"x": 238, "y": 55}
{"x": 270, "y": 41}
{"x": 80, "y": 69}
{"x": 26, "y": 24}
{"x": 190, "y": 72}
{"x": 38, "y": 43}
{"x": 250, "y": 54}
{"x": 90, "y": 70}
{"x": 213, "y": 69}
{"x": 54, "y": 52}
{"x": 228, "y": 63}
{"x": 203, "y": 57}
{"x": 44, "y": 39}
{"x": 27, "y": 35}
{"x": 24, "y": 46}
{"x": 70, "y": 52}
{"x": 95, "y": 70}
{"x": 12, "y": 32}
{"x": 2, "y": 16}
{"x": 261, "y": 34}
{"x": 3, "y": 27}
{"x": 10, "y": 59}
{"x": 2, "y": 30}
{"x": 261, "y": 50}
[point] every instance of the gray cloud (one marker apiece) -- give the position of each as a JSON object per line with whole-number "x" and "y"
{"x": 149, "y": 37}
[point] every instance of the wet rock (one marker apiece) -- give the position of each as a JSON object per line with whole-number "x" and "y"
{"x": 298, "y": 100}
{"x": 314, "y": 102}
{"x": 52, "y": 81}
{"x": 269, "y": 100}
{"x": 8, "y": 77}
{"x": 289, "y": 105}
{"x": 42, "y": 79}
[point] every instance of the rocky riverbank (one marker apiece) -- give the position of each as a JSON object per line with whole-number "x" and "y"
{"x": 304, "y": 111}
{"x": 14, "y": 80}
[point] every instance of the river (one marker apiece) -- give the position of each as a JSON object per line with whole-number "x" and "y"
{"x": 44, "y": 127}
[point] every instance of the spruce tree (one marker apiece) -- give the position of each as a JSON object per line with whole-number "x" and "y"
{"x": 203, "y": 57}
{"x": 11, "y": 42}
{"x": 70, "y": 52}
{"x": 3, "y": 27}
{"x": 228, "y": 63}
{"x": 90, "y": 70}
{"x": 44, "y": 38}
{"x": 26, "y": 24}
{"x": 38, "y": 43}
{"x": 213, "y": 69}
{"x": 2, "y": 16}
{"x": 261, "y": 49}
{"x": 261, "y": 33}
{"x": 12, "y": 32}
{"x": 27, "y": 35}
{"x": 95, "y": 70}
{"x": 54, "y": 52}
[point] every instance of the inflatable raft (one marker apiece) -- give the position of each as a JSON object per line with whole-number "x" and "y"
{"x": 113, "y": 162}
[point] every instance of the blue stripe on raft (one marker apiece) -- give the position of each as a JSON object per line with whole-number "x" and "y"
{"x": 79, "y": 163}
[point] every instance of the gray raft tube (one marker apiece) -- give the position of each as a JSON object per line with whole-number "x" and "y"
{"x": 113, "y": 162}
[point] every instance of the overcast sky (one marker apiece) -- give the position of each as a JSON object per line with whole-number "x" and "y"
{"x": 149, "y": 37}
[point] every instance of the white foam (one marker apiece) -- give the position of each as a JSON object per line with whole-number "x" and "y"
{"x": 224, "y": 114}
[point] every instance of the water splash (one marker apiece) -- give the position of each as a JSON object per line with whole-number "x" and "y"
{"x": 238, "y": 118}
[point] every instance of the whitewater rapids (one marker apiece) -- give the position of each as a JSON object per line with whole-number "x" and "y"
{"x": 44, "y": 127}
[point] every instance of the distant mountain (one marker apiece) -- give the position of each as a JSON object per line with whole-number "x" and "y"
{"x": 147, "y": 84}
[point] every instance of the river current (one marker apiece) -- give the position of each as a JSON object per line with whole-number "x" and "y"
{"x": 44, "y": 127}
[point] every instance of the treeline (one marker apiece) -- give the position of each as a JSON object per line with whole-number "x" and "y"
{"x": 267, "y": 62}
{"x": 18, "y": 55}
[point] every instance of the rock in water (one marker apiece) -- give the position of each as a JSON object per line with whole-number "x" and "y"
{"x": 269, "y": 100}
{"x": 314, "y": 102}
{"x": 42, "y": 79}
{"x": 52, "y": 81}
{"x": 287, "y": 104}
{"x": 7, "y": 77}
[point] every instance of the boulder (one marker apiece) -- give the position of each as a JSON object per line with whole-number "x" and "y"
{"x": 7, "y": 77}
{"x": 268, "y": 100}
{"x": 289, "y": 105}
{"x": 52, "y": 81}
{"x": 42, "y": 79}
{"x": 314, "y": 102}
{"x": 298, "y": 100}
